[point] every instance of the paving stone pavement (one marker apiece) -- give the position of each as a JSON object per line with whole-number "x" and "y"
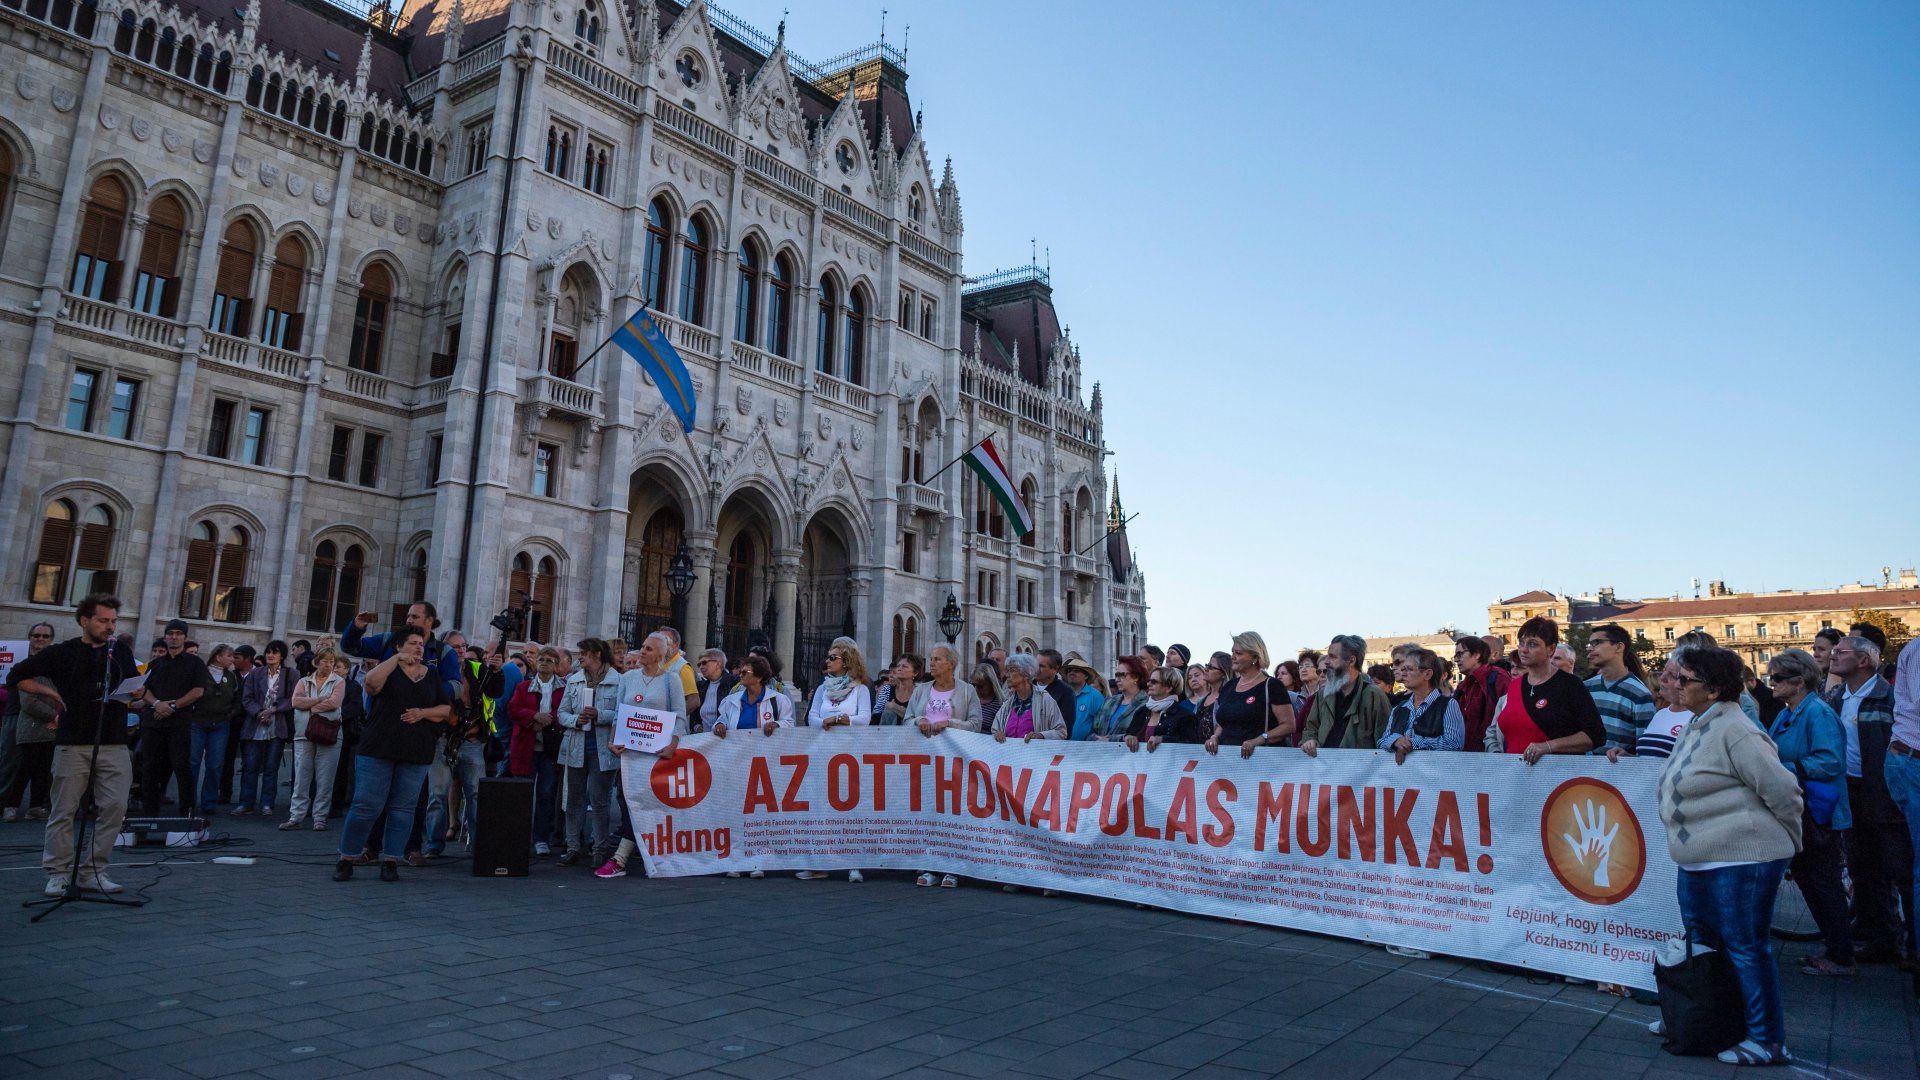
{"x": 273, "y": 970}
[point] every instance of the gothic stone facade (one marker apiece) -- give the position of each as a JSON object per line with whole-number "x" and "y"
{"x": 297, "y": 314}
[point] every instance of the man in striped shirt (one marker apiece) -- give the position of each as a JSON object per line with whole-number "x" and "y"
{"x": 1618, "y": 686}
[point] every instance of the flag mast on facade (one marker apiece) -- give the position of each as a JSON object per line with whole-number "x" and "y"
{"x": 985, "y": 462}
{"x": 640, "y": 338}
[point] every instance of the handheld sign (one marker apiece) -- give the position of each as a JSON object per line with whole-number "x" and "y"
{"x": 647, "y": 730}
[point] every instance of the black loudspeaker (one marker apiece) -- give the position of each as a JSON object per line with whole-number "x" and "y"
{"x": 503, "y": 827}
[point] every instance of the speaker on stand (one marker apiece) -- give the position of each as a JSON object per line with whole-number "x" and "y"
{"x": 503, "y": 827}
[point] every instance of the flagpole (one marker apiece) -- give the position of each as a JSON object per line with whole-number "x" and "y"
{"x": 1109, "y": 532}
{"x": 582, "y": 365}
{"x": 957, "y": 460}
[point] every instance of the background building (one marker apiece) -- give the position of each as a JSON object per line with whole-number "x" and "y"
{"x": 306, "y": 300}
{"x": 1756, "y": 625}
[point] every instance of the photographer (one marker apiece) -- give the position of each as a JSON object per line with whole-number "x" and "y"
{"x": 354, "y": 641}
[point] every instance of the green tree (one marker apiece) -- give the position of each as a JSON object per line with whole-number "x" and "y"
{"x": 1650, "y": 657}
{"x": 1576, "y": 638}
{"x": 1897, "y": 631}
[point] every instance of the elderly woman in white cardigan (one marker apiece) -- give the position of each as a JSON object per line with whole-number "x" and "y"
{"x": 945, "y": 702}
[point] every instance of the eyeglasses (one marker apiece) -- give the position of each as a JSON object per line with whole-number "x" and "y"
{"x": 39, "y": 637}
{"x": 835, "y": 656}
{"x": 1685, "y": 679}
{"x": 1155, "y": 682}
{"x": 1778, "y": 679}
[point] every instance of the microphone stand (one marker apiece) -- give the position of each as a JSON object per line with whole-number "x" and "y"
{"x": 86, "y": 816}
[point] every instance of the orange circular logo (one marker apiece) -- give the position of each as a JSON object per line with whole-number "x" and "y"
{"x": 682, "y": 780}
{"x": 1593, "y": 841}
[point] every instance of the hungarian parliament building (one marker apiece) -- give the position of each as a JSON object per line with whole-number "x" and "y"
{"x": 301, "y": 307}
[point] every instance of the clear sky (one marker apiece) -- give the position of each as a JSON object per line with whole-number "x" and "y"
{"x": 1402, "y": 308}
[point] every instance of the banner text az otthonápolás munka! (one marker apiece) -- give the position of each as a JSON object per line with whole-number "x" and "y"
{"x": 1560, "y": 867}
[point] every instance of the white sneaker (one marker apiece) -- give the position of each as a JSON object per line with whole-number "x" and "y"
{"x": 100, "y": 883}
{"x": 542, "y": 849}
{"x": 13, "y": 814}
{"x": 1009, "y": 888}
{"x": 855, "y": 877}
{"x": 756, "y": 874}
{"x": 1657, "y": 1027}
{"x": 948, "y": 881}
{"x": 56, "y": 886}
{"x": 925, "y": 881}
{"x": 809, "y": 875}
{"x": 733, "y": 873}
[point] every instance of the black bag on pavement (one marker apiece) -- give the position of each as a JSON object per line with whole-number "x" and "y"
{"x": 1700, "y": 1003}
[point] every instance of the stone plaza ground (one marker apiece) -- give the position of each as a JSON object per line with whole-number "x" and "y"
{"x": 273, "y": 970}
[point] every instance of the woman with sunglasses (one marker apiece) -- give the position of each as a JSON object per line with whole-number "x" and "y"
{"x": 1166, "y": 717}
{"x": 1129, "y": 693}
{"x": 842, "y": 697}
{"x": 1813, "y": 743}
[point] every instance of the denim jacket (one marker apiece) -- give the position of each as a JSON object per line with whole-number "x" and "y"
{"x": 1813, "y": 744}
{"x": 606, "y": 699}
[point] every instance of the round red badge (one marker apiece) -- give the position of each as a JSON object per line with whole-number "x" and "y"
{"x": 1249, "y": 699}
{"x": 1539, "y": 703}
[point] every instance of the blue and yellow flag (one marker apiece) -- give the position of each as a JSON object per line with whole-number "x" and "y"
{"x": 641, "y": 338}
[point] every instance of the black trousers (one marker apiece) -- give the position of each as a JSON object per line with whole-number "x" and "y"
{"x": 35, "y": 776}
{"x": 234, "y": 727}
{"x": 165, "y": 752}
{"x": 1880, "y": 861}
{"x": 1817, "y": 871}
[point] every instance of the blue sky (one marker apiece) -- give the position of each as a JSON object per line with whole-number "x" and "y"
{"x": 1403, "y": 308}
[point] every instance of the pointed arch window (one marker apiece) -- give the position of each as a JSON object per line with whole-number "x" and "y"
{"x": 746, "y": 302}
{"x": 6, "y": 185}
{"x": 741, "y": 556}
{"x": 856, "y": 337}
{"x": 1030, "y": 495}
{"x": 538, "y": 580}
{"x": 825, "y": 323}
{"x": 156, "y": 285}
{"x": 988, "y": 517}
{"x": 233, "y": 281}
{"x": 653, "y": 277}
{"x": 693, "y": 272}
{"x": 281, "y": 328}
{"x": 780, "y": 308}
{"x": 215, "y": 586}
{"x": 366, "y": 351}
{"x": 916, "y": 207}
{"x": 586, "y": 28}
{"x": 416, "y": 585}
{"x": 103, "y": 225}
{"x": 333, "y": 593}
{"x": 75, "y": 556}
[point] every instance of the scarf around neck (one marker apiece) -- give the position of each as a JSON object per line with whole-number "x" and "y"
{"x": 1162, "y": 705}
{"x": 838, "y": 687}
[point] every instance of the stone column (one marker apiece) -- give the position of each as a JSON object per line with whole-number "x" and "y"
{"x": 700, "y": 549}
{"x": 786, "y": 587}
{"x": 130, "y": 265}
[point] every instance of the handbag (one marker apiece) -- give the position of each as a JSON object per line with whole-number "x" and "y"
{"x": 1700, "y": 1002}
{"x": 323, "y": 730}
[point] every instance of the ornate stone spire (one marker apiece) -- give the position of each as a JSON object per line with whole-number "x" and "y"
{"x": 365, "y": 70}
{"x": 1115, "y": 515}
{"x": 456, "y": 25}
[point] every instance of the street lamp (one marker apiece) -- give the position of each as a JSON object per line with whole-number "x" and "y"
{"x": 951, "y": 619}
{"x": 680, "y": 578}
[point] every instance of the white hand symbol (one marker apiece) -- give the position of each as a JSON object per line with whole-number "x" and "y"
{"x": 1595, "y": 845}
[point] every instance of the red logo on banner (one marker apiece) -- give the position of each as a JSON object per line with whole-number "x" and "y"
{"x": 682, "y": 780}
{"x": 1593, "y": 841}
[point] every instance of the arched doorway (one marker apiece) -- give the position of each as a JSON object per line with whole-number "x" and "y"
{"x": 653, "y": 601}
{"x": 825, "y": 604}
{"x": 745, "y": 544}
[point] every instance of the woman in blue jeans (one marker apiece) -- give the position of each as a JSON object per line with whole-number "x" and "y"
{"x": 407, "y": 710}
{"x": 207, "y": 741}
{"x": 1732, "y": 813}
{"x": 266, "y": 697}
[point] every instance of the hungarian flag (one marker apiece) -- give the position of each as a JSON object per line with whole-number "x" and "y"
{"x": 986, "y": 464}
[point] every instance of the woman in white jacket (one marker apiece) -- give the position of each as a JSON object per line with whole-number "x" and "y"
{"x": 942, "y": 704}
{"x": 319, "y": 694}
{"x": 842, "y": 699}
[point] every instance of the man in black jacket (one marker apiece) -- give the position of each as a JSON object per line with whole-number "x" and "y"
{"x": 79, "y": 674}
{"x": 175, "y": 681}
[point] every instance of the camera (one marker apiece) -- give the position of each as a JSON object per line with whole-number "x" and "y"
{"x": 512, "y": 621}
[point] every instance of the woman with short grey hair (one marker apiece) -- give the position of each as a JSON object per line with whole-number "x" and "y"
{"x": 1813, "y": 745}
{"x": 1025, "y": 714}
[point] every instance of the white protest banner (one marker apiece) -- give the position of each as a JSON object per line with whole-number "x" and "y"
{"x": 640, "y": 728}
{"x": 1559, "y": 867}
{"x": 11, "y": 653}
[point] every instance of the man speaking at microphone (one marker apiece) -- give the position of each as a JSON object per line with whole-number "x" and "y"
{"x": 78, "y": 674}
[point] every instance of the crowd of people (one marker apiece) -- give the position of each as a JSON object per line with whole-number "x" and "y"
{"x": 1808, "y": 771}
